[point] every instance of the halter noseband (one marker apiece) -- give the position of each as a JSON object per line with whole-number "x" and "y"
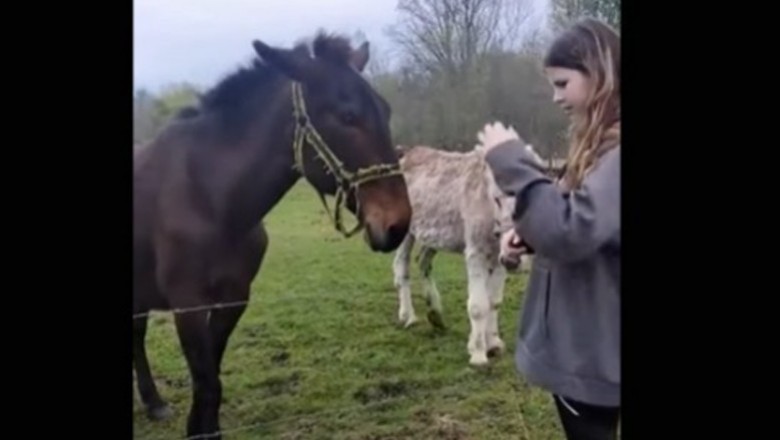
{"x": 346, "y": 180}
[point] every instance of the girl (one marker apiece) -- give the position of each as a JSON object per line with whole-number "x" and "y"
{"x": 569, "y": 333}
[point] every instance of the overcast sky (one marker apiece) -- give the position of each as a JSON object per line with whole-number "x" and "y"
{"x": 201, "y": 40}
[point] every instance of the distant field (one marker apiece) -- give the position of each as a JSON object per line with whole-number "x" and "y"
{"x": 318, "y": 354}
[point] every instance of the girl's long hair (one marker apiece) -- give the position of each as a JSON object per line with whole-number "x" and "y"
{"x": 592, "y": 48}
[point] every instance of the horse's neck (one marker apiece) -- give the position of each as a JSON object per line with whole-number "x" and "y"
{"x": 268, "y": 173}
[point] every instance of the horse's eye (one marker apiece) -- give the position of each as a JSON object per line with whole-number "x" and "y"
{"x": 498, "y": 201}
{"x": 348, "y": 118}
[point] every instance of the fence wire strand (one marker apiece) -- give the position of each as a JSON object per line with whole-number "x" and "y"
{"x": 224, "y": 305}
{"x": 180, "y": 310}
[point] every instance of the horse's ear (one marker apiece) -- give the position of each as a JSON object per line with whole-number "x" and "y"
{"x": 293, "y": 63}
{"x": 359, "y": 57}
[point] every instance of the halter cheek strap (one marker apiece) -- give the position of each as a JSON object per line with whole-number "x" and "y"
{"x": 346, "y": 181}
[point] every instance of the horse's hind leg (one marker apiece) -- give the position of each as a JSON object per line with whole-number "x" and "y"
{"x": 496, "y": 283}
{"x": 432, "y": 297}
{"x": 156, "y": 408}
{"x": 406, "y": 314}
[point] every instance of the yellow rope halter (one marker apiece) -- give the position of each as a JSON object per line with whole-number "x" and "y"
{"x": 346, "y": 180}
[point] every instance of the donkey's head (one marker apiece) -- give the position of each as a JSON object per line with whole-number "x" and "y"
{"x": 343, "y": 140}
{"x": 504, "y": 205}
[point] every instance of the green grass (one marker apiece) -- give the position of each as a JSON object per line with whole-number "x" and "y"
{"x": 319, "y": 355}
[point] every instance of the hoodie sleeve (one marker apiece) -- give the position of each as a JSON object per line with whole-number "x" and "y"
{"x": 565, "y": 226}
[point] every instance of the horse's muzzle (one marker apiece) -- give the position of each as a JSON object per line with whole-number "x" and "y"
{"x": 386, "y": 239}
{"x": 386, "y": 212}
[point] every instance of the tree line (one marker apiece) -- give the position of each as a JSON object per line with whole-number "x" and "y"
{"x": 460, "y": 63}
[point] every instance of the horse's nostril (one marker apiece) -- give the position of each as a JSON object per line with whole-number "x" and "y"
{"x": 396, "y": 232}
{"x": 387, "y": 240}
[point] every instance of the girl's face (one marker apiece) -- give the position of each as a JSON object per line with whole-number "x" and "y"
{"x": 570, "y": 89}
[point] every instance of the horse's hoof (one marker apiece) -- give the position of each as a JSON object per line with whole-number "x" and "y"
{"x": 436, "y": 320}
{"x": 159, "y": 413}
{"x": 214, "y": 436}
{"x": 211, "y": 436}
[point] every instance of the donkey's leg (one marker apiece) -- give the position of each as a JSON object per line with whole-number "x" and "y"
{"x": 526, "y": 263}
{"x": 478, "y": 305}
{"x": 496, "y": 283}
{"x": 196, "y": 341}
{"x": 156, "y": 408}
{"x": 406, "y": 313}
{"x": 432, "y": 297}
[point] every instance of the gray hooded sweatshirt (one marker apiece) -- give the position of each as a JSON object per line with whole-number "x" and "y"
{"x": 569, "y": 331}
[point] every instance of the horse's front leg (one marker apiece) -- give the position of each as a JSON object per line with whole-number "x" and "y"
{"x": 196, "y": 341}
{"x": 223, "y": 321}
{"x": 156, "y": 407}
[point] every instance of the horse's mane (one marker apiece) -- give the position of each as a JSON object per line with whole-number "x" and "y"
{"x": 228, "y": 96}
{"x": 332, "y": 48}
{"x": 234, "y": 87}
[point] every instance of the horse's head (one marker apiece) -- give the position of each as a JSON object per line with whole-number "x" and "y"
{"x": 344, "y": 145}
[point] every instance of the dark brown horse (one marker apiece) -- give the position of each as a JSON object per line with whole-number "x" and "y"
{"x": 203, "y": 186}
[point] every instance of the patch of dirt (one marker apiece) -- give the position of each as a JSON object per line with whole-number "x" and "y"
{"x": 175, "y": 382}
{"x": 445, "y": 427}
{"x": 382, "y": 390}
{"x": 280, "y": 358}
{"x": 302, "y": 430}
{"x": 278, "y": 385}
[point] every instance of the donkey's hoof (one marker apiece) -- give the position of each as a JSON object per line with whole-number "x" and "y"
{"x": 478, "y": 360}
{"x": 496, "y": 348}
{"x": 436, "y": 320}
{"x": 160, "y": 412}
{"x": 410, "y": 321}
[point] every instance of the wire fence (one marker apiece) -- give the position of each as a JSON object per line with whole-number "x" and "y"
{"x": 176, "y": 311}
{"x": 319, "y": 295}
{"x": 347, "y": 409}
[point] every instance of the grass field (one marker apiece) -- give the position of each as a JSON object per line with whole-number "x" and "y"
{"x": 318, "y": 353}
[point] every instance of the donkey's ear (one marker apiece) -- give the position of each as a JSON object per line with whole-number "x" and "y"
{"x": 359, "y": 57}
{"x": 293, "y": 63}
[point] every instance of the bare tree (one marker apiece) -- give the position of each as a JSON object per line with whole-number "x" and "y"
{"x": 450, "y": 35}
{"x": 564, "y": 12}
{"x": 143, "y": 115}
